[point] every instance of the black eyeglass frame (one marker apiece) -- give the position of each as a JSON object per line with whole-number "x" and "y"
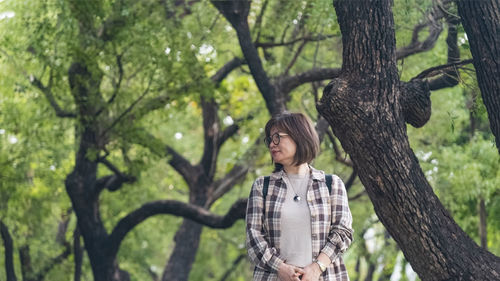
{"x": 275, "y": 138}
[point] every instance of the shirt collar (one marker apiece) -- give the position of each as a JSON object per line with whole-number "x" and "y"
{"x": 315, "y": 174}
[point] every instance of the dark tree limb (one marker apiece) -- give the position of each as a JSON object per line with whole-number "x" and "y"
{"x": 481, "y": 21}
{"x": 176, "y": 208}
{"x": 228, "y": 132}
{"x": 51, "y": 99}
{"x": 450, "y": 77}
{"x": 317, "y": 38}
{"x": 182, "y": 165}
{"x": 225, "y": 184}
{"x": 112, "y": 182}
{"x": 440, "y": 69}
{"x": 433, "y": 16}
{"x": 211, "y": 133}
{"x": 9, "y": 252}
{"x": 288, "y": 83}
{"x": 117, "y": 85}
{"x": 222, "y": 73}
{"x": 236, "y": 12}
{"x": 26, "y": 266}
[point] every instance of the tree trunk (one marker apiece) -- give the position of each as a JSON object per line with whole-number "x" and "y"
{"x": 481, "y": 21}
{"x": 364, "y": 107}
{"x": 9, "y": 252}
{"x": 81, "y": 183}
{"x": 187, "y": 240}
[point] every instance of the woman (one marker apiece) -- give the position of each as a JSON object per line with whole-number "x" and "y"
{"x": 301, "y": 228}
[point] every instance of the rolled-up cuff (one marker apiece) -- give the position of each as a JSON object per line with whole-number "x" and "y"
{"x": 330, "y": 250}
{"x": 275, "y": 262}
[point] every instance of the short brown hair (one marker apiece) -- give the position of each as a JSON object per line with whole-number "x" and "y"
{"x": 300, "y": 129}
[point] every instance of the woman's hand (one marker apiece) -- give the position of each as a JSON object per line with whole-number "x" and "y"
{"x": 288, "y": 272}
{"x": 311, "y": 272}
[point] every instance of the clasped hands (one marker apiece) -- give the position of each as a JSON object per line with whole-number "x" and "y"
{"x": 287, "y": 272}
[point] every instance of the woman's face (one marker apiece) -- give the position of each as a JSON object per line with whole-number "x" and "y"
{"x": 283, "y": 152}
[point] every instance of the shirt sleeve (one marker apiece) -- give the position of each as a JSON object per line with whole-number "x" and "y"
{"x": 341, "y": 232}
{"x": 259, "y": 250}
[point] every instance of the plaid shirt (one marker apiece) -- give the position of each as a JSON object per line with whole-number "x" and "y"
{"x": 331, "y": 222}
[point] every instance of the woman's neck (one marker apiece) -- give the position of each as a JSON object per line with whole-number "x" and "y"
{"x": 301, "y": 169}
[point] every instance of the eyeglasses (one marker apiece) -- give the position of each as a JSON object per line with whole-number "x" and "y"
{"x": 275, "y": 138}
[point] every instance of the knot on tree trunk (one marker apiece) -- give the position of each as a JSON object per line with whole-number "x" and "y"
{"x": 416, "y": 102}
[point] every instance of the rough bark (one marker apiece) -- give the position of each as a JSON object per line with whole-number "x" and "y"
{"x": 366, "y": 110}
{"x": 481, "y": 21}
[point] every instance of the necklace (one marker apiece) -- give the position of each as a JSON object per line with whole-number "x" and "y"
{"x": 296, "y": 198}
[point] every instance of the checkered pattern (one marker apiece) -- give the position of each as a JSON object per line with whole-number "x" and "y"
{"x": 331, "y": 222}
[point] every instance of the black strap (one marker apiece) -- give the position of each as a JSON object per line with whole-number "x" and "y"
{"x": 329, "y": 180}
{"x": 266, "y": 186}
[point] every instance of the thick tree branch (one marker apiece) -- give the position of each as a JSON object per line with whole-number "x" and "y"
{"x": 211, "y": 133}
{"x": 236, "y": 12}
{"x": 440, "y": 69}
{"x": 9, "y": 252}
{"x": 288, "y": 83}
{"x": 181, "y": 165}
{"x": 450, "y": 77}
{"x": 50, "y": 98}
{"x": 115, "y": 181}
{"x": 225, "y": 184}
{"x": 117, "y": 84}
{"x": 433, "y": 16}
{"x": 227, "y": 133}
{"x": 225, "y": 70}
{"x": 481, "y": 21}
{"x": 319, "y": 37}
{"x": 176, "y": 208}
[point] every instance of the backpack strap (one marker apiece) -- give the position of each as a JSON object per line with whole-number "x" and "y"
{"x": 329, "y": 180}
{"x": 266, "y": 186}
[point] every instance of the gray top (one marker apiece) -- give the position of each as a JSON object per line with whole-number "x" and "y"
{"x": 296, "y": 241}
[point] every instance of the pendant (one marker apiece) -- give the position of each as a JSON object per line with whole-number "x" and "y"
{"x": 296, "y": 198}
